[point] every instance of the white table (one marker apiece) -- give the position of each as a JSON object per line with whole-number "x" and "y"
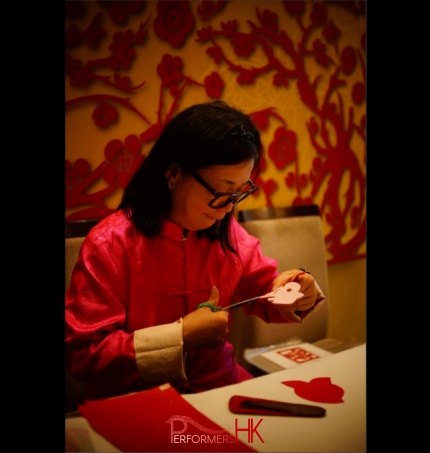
{"x": 342, "y": 429}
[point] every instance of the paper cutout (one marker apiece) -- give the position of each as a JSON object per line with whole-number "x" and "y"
{"x": 320, "y": 390}
{"x": 298, "y": 355}
{"x": 285, "y": 295}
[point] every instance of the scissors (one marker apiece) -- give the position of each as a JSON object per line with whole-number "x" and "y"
{"x": 228, "y": 307}
{"x": 243, "y": 302}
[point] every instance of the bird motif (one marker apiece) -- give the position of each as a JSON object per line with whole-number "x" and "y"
{"x": 319, "y": 389}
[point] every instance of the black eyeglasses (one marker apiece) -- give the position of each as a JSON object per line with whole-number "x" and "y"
{"x": 222, "y": 199}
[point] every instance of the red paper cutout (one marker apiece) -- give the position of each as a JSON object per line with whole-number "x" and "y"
{"x": 320, "y": 390}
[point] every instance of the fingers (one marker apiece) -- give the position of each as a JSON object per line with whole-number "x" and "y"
{"x": 212, "y": 302}
{"x": 205, "y": 328}
{"x": 214, "y": 295}
{"x": 292, "y": 275}
{"x": 307, "y": 286}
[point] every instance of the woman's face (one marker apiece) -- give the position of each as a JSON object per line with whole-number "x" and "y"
{"x": 190, "y": 199}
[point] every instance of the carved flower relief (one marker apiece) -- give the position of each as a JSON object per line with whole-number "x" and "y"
{"x": 214, "y": 85}
{"x": 174, "y": 21}
{"x": 122, "y": 160}
{"x": 283, "y": 149}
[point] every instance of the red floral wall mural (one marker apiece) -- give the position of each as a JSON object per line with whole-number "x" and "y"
{"x": 335, "y": 179}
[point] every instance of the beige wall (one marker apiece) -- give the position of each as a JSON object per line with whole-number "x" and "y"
{"x": 347, "y": 286}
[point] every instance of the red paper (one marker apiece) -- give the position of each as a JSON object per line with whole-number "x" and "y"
{"x": 158, "y": 420}
{"x": 320, "y": 390}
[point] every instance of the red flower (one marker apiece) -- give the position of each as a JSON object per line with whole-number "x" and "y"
{"x": 243, "y": 45}
{"x": 205, "y": 33}
{"x": 260, "y": 120}
{"x": 269, "y": 20}
{"x": 214, "y": 85}
{"x": 75, "y": 9}
{"x": 348, "y": 58}
{"x": 174, "y": 21}
{"x": 331, "y": 32}
{"x": 294, "y": 8}
{"x": 229, "y": 27}
{"x": 208, "y": 8}
{"x": 119, "y": 10}
{"x": 170, "y": 69}
{"x": 317, "y": 167}
{"x": 123, "y": 54}
{"x": 320, "y": 53}
{"x": 215, "y": 52}
{"x": 319, "y": 14}
{"x": 73, "y": 35}
{"x": 104, "y": 115}
{"x": 290, "y": 179}
{"x": 358, "y": 93}
{"x": 122, "y": 160}
{"x": 78, "y": 75}
{"x": 76, "y": 172}
{"x": 283, "y": 148}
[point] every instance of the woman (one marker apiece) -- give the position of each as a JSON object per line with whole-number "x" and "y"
{"x": 132, "y": 316}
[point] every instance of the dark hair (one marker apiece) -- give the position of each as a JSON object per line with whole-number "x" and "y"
{"x": 203, "y": 135}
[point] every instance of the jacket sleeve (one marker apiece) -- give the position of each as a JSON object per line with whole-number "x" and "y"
{"x": 99, "y": 349}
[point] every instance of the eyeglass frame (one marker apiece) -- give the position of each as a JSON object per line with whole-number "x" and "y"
{"x": 232, "y": 196}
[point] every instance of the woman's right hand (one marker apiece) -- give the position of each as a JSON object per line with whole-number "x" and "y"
{"x": 204, "y": 328}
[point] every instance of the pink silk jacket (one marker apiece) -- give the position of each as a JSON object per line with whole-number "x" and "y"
{"x": 129, "y": 293}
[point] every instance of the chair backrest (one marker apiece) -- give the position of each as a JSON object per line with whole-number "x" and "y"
{"x": 73, "y": 246}
{"x": 79, "y": 228}
{"x": 74, "y": 390}
{"x": 294, "y": 236}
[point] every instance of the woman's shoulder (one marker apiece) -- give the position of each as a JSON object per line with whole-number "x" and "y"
{"x": 238, "y": 232}
{"x": 116, "y": 225}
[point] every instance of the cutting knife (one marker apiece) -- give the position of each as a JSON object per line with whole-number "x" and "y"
{"x": 297, "y": 410}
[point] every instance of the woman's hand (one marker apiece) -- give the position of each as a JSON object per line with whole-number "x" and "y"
{"x": 204, "y": 328}
{"x": 312, "y": 294}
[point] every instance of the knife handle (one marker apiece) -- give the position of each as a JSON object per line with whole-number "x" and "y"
{"x": 297, "y": 410}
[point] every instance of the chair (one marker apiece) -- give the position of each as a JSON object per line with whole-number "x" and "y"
{"x": 74, "y": 390}
{"x": 79, "y": 228}
{"x": 294, "y": 236}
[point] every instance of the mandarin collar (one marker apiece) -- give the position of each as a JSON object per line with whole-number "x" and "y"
{"x": 173, "y": 232}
